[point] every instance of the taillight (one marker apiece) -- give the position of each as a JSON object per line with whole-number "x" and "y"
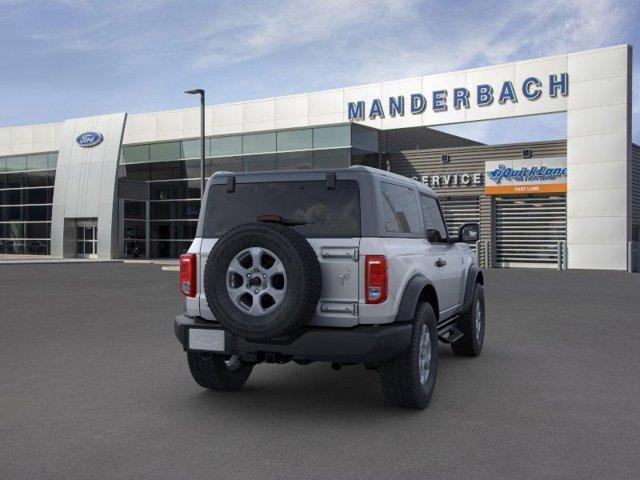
{"x": 188, "y": 274}
{"x": 375, "y": 282}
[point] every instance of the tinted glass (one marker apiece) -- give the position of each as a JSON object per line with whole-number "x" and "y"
{"x": 259, "y": 143}
{"x": 175, "y": 189}
{"x": 339, "y": 158}
{"x": 134, "y": 249}
{"x": 16, "y": 164}
{"x": 137, "y": 172}
{"x": 12, "y": 197}
{"x": 434, "y": 223}
{"x": 175, "y": 170}
{"x": 39, "y": 179}
{"x": 135, "y": 154}
{"x": 37, "y": 213}
{"x": 16, "y": 247}
{"x": 295, "y": 160}
{"x": 52, "y": 160}
{"x": 224, "y": 146}
{"x": 295, "y": 140}
{"x": 399, "y": 209}
{"x": 14, "y": 230}
{"x": 184, "y": 230}
{"x": 38, "y": 230}
{"x": 13, "y": 180}
{"x": 37, "y": 247}
{"x": 191, "y": 148}
{"x": 160, "y": 152}
{"x": 223, "y": 164}
{"x": 359, "y": 157}
{"x": 134, "y": 209}
{"x": 328, "y": 137}
{"x": 328, "y": 213}
{"x": 364, "y": 138}
{"x": 174, "y": 210}
{"x": 38, "y": 195}
{"x": 38, "y": 162}
{"x": 134, "y": 229}
{"x": 165, "y": 249}
{"x": 11, "y": 213}
{"x": 257, "y": 163}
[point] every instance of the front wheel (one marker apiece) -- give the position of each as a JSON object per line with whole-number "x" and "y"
{"x": 472, "y": 325}
{"x": 409, "y": 380}
{"x": 218, "y": 372}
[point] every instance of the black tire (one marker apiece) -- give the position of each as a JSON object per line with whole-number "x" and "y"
{"x": 470, "y": 345}
{"x": 209, "y": 370}
{"x": 303, "y": 281}
{"x": 401, "y": 377}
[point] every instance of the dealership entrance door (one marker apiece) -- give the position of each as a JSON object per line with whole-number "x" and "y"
{"x": 530, "y": 230}
{"x": 87, "y": 238}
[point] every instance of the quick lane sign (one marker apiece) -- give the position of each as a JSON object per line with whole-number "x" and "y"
{"x": 513, "y": 177}
{"x": 481, "y": 95}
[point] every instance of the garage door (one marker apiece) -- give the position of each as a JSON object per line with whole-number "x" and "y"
{"x": 458, "y": 211}
{"x": 528, "y": 230}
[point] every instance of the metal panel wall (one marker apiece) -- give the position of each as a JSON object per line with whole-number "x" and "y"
{"x": 460, "y": 210}
{"x": 635, "y": 187}
{"x": 85, "y": 185}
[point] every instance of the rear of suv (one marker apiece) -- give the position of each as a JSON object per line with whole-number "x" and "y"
{"x": 348, "y": 266}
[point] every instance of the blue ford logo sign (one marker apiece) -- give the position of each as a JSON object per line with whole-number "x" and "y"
{"x": 89, "y": 139}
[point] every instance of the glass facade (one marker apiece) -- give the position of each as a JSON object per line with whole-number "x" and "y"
{"x": 26, "y": 197}
{"x": 165, "y": 224}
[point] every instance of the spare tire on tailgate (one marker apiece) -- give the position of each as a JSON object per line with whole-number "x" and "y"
{"x": 262, "y": 280}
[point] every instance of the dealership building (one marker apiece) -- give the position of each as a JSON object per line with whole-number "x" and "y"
{"x": 127, "y": 185}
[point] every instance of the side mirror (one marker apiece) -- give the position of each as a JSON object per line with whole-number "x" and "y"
{"x": 469, "y": 233}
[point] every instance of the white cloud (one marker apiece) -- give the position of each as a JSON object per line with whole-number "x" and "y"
{"x": 285, "y": 25}
{"x": 313, "y": 45}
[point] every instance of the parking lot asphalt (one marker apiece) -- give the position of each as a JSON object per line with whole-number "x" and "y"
{"x": 94, "y": 385}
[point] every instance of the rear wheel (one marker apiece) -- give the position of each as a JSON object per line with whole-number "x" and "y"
{"x": 409, "y": 380}
{"x": 218, "y": 372}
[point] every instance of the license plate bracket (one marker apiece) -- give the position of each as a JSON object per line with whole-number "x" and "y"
{"x": 206, "y": 339}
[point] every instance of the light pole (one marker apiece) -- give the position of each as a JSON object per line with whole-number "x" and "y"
{"x": 200, "y": 91}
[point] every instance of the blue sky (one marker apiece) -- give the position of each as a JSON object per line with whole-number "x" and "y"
{"x": 73, "y": 58}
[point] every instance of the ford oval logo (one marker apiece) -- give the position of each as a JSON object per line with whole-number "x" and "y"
{"x": 89, "y": 139}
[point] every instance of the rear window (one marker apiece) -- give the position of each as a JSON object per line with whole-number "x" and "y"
{"x": 327, "y": 213}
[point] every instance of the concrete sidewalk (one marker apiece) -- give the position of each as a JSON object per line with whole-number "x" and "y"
{"x": 31, "y": 259}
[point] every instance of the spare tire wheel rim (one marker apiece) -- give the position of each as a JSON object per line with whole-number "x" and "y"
{"x": 256, "y": 281}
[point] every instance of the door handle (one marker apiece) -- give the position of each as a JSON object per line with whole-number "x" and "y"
{"x": 440, "y": 263}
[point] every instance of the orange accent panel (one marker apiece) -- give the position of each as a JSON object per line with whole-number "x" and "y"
{"x": 525, "y": 189}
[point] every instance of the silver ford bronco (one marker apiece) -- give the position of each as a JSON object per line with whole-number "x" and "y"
{"x": 348, "y": 266}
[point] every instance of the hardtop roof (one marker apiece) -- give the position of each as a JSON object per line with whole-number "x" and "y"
{"x": 355, "y": 168}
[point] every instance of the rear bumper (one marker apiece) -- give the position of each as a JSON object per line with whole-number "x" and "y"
{"x": 360, "y": 344}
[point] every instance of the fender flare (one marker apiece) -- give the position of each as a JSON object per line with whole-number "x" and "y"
{"x": 410, "y": 297}
{"x": 472, "y": 278}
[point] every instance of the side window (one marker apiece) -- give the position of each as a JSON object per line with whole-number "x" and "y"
{"x": 434, "y": 223}
{"x": 399, "y": 209}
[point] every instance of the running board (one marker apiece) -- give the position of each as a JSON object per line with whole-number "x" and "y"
{"x": 448, "y": 332}
{"x": 452, "y": 336}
